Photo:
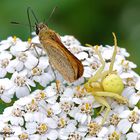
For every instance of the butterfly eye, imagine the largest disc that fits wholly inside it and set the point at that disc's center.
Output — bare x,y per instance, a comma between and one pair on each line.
37,30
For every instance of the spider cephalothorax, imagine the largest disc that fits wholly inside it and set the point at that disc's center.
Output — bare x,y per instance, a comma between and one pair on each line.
106,83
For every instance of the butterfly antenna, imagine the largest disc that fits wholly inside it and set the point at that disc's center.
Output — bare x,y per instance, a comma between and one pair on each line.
52,13
29,9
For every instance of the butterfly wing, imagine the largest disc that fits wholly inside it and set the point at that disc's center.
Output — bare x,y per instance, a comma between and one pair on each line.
80,69
62,59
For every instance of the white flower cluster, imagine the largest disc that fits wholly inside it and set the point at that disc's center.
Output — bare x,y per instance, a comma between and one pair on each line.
41,113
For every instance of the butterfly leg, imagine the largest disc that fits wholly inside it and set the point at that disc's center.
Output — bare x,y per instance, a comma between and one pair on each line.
56,81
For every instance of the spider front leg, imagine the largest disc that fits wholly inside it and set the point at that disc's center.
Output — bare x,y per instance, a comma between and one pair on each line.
98,73
114,54
103,102
100,98
116,96
100,70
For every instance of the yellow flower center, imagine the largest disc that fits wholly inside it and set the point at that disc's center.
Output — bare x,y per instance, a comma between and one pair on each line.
14,38
33,106
114,120
42,128
62,123
114,136
133,117
29,40
4,63
93,128
86,108
36,71
23,136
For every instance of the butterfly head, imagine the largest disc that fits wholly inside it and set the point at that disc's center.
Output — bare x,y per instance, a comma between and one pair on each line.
40,26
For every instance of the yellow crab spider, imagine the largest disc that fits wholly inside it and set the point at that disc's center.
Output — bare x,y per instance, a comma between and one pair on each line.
106,83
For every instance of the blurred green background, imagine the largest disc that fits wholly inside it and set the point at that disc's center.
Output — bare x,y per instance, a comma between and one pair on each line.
90,21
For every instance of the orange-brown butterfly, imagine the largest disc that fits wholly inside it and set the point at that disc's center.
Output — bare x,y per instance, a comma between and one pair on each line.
59,56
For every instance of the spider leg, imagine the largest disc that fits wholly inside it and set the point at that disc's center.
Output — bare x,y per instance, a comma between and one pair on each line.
103,101
102,108
98,74
114,54
99,71
116,96
104,74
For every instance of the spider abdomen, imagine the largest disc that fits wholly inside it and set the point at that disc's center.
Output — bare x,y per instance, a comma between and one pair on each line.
113,83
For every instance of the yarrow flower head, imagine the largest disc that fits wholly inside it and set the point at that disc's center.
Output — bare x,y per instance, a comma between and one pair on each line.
48,107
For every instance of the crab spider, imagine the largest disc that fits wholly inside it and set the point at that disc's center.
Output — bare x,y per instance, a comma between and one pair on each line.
106,83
